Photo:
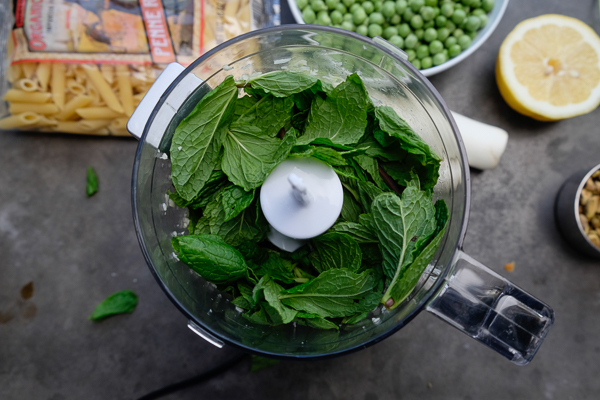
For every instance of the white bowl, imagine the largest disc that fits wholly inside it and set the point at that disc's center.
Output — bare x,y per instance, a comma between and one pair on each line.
493,19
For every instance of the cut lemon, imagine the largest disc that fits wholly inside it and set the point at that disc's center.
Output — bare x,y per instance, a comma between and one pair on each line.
549,68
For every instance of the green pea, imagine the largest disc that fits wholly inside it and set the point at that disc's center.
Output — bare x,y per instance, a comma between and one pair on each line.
376,18
417,63
354,7
318,5
362,30
408,14
411,54
341,8
374,30
487,5
348,3
464,2
368,6
419,33
323,18
430,35
435,47
411,41
348,17
422,51
336,17
416,5
428,24
451,41
426,62
378,5
458,16
445,53
401,6
484,20
464,41
427,13
458,7
431,3
466,9
389,32
442,34
308,15
475,3
358,16
396,41
472,35
388,9
348,25
458,33
472,24
331,4
477,12
454,50
450,26
439,59
404,30
447,10
301,3
396,19
416,21
440,21
436,11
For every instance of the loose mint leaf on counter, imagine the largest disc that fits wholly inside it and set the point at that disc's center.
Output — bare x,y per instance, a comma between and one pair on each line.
197,141
91,187
331,294
282,83
335,251
341,118
269,290
269,114
250,155
400,223
235,200
260,363
211,257
123,302
314,321
410,276
236,231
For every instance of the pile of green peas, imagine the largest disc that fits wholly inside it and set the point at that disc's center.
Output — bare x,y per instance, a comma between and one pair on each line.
429,31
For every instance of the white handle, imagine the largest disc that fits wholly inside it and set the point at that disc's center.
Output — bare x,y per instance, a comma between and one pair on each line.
484,143
299,189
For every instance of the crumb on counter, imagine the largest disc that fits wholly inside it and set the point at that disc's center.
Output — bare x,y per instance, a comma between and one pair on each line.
510,267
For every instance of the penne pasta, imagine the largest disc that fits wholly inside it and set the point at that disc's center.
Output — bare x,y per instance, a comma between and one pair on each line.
14,73
19,120
75,127
69,109
125,90
43,122
98,113
26,84
118,127
21,96
58,84
43,75
29,69
75,88
108,73
103,88
94,124
43,109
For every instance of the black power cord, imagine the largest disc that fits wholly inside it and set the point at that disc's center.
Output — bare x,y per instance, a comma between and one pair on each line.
195,380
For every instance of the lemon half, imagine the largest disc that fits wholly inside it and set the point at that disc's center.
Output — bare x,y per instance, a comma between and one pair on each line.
549,68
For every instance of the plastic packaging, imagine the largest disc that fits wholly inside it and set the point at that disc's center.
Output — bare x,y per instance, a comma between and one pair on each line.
82,66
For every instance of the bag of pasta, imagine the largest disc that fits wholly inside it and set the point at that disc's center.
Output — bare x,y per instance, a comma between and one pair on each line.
82,66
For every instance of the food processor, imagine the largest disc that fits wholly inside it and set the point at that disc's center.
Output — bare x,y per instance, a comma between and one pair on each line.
454,287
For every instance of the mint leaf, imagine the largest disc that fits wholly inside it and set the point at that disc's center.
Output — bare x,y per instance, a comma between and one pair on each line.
269,114
197,141
325,154
235,231
214,184
277,268
259,317
331,294
370,165
359,232
277,312
201,227
282,83
211,257
314,321
250,155
350,208
400,223
91,187
341,118
235,200
243,105
334,251
123,302
367,192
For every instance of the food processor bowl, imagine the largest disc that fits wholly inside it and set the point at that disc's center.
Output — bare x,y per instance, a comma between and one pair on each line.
454,287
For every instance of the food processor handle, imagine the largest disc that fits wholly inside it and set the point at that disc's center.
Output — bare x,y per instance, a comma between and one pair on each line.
491,310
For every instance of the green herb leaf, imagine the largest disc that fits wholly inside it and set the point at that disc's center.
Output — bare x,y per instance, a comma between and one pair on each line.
197,141
341,118
235,200
236,231
331,294
211,257
350,208
269,115
123,302
314,321
259,317
277,312
370,165
242,105
367,192
277,268
359,232
250,155
334,251
92,182
282,83
400,223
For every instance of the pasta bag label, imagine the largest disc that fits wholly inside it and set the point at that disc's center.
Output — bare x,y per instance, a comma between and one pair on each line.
157,31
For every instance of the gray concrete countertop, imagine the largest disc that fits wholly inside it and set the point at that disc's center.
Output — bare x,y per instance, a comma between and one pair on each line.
76,251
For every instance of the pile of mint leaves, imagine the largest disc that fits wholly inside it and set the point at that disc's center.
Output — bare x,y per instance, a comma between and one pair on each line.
389,228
